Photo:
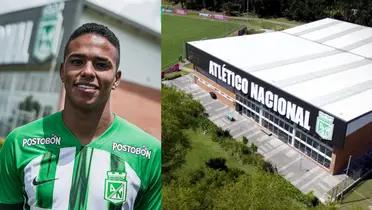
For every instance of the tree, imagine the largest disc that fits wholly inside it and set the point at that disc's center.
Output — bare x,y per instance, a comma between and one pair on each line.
179,111
30,105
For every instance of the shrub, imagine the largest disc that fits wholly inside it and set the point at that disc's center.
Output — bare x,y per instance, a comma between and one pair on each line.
226,134
267,166
245,140
254,147
217,164
246,150
172,76
196,176
311,200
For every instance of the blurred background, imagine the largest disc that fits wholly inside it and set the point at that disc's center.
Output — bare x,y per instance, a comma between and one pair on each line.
32,37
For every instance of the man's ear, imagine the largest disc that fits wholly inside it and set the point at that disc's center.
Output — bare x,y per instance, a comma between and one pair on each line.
61,73
117,79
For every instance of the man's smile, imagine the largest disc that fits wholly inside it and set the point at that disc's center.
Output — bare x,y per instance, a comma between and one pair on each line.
86,87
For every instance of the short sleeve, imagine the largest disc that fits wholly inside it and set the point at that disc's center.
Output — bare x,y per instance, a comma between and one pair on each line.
10,182
152,196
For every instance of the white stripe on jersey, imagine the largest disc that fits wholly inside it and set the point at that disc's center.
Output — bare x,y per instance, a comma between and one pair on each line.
100,165
64,172
98,170
134,183
31,171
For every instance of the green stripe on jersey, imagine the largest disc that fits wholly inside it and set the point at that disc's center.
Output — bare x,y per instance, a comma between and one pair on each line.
79,188
44,182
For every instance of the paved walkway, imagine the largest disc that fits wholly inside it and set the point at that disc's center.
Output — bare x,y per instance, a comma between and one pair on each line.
302,172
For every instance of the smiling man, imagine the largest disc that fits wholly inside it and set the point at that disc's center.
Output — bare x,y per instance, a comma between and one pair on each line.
84,157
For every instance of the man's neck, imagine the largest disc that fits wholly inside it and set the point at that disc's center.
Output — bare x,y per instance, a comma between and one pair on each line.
87,125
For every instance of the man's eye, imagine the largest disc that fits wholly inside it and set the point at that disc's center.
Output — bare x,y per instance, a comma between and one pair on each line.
76,62
102,65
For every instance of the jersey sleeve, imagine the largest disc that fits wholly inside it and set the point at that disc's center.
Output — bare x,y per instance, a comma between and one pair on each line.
10,182
152,196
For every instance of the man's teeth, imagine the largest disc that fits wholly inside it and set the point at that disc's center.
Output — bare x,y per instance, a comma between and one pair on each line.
86,87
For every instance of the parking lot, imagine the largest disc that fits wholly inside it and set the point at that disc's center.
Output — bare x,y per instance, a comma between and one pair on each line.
291,164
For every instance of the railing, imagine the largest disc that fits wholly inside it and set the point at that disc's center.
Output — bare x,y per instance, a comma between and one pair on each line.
359,169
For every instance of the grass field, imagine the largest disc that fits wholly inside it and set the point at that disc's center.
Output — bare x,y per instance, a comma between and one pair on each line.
203,149
176,30
360,197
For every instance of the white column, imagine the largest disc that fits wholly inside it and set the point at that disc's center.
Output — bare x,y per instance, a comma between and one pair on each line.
261,112
293,135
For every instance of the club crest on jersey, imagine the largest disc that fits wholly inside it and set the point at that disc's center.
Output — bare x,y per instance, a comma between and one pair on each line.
116,187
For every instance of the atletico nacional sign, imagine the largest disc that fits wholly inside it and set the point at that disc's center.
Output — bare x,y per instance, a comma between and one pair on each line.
304,115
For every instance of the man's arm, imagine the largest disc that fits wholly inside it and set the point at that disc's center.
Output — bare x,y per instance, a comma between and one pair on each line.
152,197
10,185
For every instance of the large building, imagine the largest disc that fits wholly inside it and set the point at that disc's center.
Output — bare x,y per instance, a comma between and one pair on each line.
310,85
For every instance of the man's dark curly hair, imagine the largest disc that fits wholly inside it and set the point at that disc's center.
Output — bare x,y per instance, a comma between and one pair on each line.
98,29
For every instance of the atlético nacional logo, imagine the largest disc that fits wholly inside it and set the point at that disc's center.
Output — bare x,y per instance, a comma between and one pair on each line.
116,187
48,35
324,125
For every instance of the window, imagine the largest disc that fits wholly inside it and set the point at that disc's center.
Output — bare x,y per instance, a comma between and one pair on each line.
297,144
322,149
289,140
327,163
328,153
320,159
314,155
298,134
316,145
309,141
302,147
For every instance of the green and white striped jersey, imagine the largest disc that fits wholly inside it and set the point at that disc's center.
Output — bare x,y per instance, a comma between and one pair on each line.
44,166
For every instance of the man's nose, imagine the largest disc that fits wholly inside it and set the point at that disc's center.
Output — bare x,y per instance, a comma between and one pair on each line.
88,70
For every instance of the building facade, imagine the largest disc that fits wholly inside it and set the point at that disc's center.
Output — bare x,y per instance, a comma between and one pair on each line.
298,84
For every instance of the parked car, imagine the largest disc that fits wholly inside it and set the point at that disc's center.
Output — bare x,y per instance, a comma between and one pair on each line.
213,95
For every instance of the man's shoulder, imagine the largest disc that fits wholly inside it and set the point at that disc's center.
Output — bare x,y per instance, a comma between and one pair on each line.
28,135
135,136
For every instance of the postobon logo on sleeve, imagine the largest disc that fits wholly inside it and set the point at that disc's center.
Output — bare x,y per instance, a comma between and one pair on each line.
324,125
116,187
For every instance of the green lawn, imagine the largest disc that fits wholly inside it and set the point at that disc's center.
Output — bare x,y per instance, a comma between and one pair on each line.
360,197
203,149
176,30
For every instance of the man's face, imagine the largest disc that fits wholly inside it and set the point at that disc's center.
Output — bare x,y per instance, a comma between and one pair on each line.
89,71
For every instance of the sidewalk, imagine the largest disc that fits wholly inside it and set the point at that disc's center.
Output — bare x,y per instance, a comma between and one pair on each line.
302,172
